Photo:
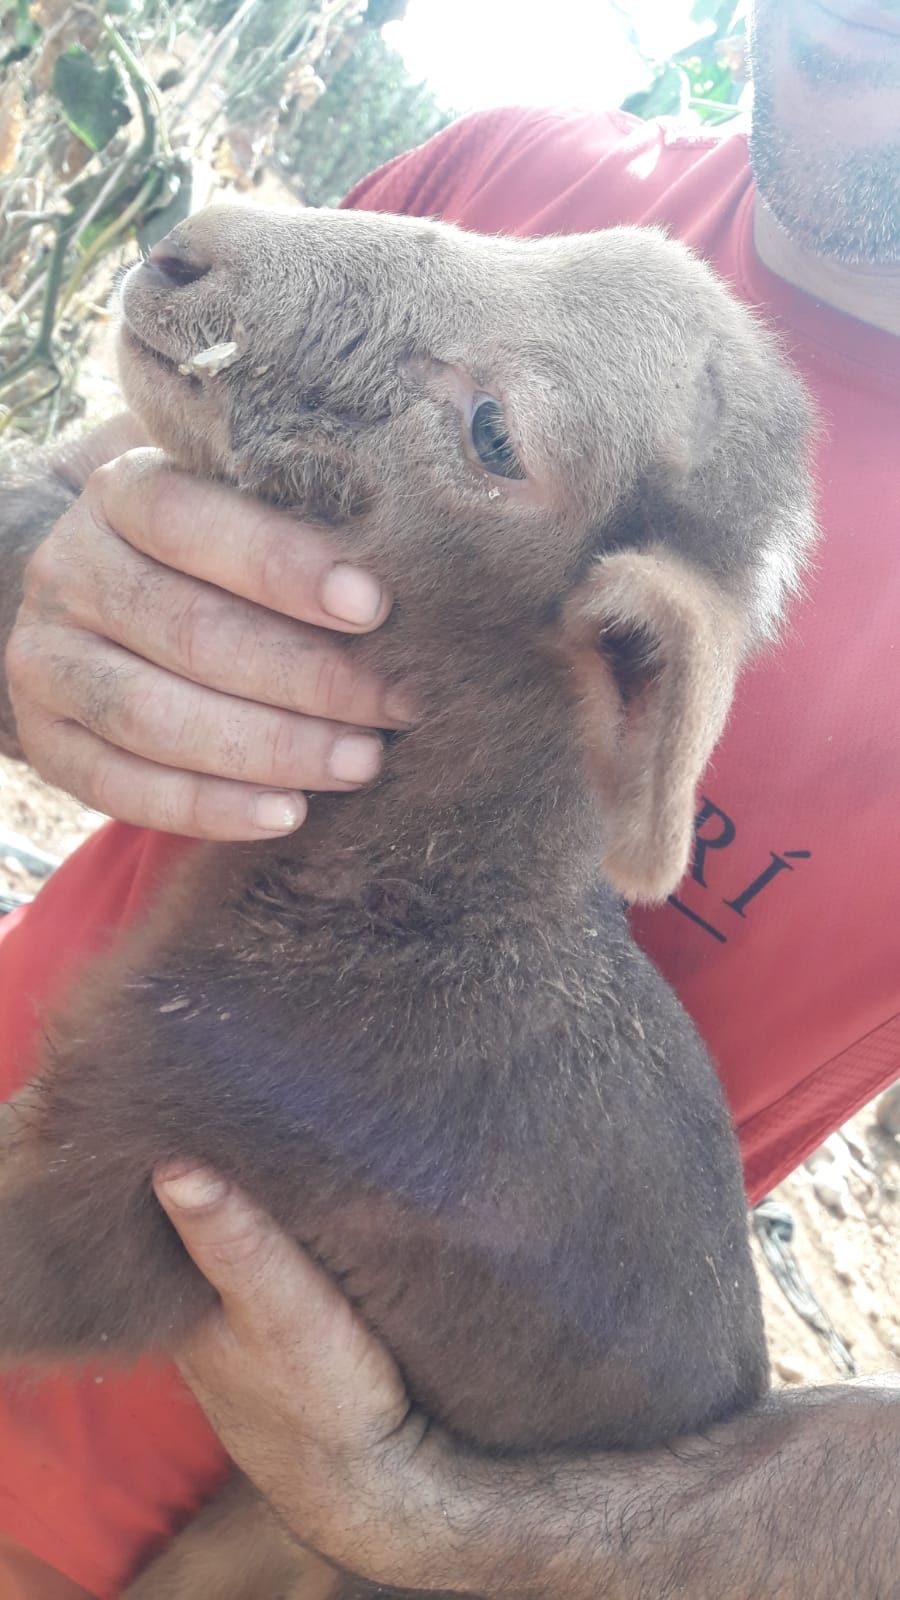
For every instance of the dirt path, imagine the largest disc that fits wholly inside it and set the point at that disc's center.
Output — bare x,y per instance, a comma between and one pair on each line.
846,1212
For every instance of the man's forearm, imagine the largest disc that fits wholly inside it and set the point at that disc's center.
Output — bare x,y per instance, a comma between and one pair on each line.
798,1498
36,487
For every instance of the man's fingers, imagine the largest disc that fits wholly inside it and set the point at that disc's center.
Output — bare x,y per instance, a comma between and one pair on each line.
171,722
216,534
125,786
228,644
168,623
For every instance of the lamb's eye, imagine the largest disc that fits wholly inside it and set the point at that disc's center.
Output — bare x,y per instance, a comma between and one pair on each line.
491,441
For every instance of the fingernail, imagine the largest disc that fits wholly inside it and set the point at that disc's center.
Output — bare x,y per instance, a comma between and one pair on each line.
350,594
278,813
355,759
194,1190
399,706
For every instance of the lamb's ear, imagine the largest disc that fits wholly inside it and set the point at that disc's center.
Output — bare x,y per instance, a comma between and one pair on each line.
654,647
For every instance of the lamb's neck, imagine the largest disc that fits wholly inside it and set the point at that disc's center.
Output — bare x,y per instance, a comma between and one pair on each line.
528,836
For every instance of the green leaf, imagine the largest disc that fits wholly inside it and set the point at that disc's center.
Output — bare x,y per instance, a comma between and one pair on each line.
92,96
25,35
170,208
667,95
84,191
378,12
81,195
27,30
720,12
86,236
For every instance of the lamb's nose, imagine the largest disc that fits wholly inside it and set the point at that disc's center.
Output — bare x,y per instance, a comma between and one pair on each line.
176,262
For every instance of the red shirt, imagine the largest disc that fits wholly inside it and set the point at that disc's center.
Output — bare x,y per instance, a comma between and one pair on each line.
783,941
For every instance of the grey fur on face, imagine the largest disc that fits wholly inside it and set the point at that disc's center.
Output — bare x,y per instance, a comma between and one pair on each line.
638,398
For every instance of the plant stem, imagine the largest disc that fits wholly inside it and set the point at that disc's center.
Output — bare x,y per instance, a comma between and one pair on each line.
24,300
42,349
154,128
9,415
107,235
227,38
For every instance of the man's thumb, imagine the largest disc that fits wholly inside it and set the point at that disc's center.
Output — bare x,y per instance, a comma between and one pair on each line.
277,1302
237,1247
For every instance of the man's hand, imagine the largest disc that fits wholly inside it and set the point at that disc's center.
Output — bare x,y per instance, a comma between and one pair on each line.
797,1498
308,1403
173,662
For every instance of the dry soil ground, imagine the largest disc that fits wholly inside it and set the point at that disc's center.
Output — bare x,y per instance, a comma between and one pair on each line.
845,1202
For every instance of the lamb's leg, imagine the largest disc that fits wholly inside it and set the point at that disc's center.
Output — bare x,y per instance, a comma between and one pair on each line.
89,1264
234,1550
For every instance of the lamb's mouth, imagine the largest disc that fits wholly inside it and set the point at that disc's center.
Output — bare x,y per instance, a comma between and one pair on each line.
143,348
206,362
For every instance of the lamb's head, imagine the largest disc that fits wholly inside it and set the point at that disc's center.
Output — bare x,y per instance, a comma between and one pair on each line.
577,455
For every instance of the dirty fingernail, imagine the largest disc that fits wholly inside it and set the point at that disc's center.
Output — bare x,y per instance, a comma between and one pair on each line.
192,1190
350,594
355,759
278,813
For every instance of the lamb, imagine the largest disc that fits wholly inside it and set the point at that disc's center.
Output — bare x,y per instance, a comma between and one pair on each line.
418,1031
